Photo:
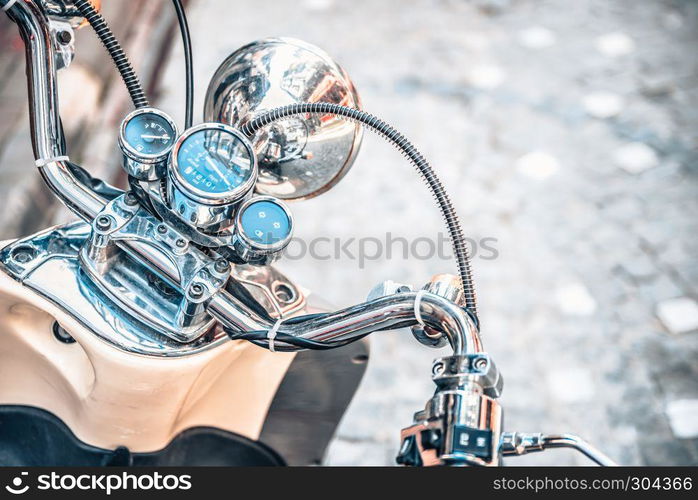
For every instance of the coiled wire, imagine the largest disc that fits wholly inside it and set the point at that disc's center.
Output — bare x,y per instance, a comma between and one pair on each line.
460,247
115,51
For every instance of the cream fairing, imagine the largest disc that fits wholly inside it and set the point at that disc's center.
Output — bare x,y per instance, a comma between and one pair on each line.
109,397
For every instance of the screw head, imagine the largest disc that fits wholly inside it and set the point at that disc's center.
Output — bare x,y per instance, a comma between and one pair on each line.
221,265
162,229
103,222
480,364
130,199
180,243
23,257
23,254
64,37
196,291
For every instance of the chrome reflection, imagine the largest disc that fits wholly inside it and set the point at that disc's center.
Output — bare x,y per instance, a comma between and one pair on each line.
298,158
51,257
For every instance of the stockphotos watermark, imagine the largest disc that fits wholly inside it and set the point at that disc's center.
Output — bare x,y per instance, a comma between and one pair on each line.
104,483
371,248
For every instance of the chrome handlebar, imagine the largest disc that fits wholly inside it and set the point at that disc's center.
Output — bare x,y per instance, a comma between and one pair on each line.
519,443
355,321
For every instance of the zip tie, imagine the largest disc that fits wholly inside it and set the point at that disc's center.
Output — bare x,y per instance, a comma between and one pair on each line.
8,5
42,162
271,334
417,311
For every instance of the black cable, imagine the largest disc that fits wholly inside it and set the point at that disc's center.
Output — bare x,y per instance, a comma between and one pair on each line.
460,245
83,176
259,338
62,143
115,51
188,63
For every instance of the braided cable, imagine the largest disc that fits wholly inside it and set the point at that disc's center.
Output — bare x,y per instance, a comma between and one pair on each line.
458,241
115,51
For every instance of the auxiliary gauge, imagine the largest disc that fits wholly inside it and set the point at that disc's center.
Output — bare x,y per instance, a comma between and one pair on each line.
263,228
212,169
146,138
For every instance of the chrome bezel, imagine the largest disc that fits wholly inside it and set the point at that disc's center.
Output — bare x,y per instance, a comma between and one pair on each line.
137,155
254,245
200,195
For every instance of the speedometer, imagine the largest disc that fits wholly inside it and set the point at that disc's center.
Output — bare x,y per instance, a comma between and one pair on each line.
212,167
214,162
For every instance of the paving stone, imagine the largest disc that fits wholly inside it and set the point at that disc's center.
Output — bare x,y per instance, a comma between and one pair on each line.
537,37
603,104
615,44
538,165
654,86
660,288
683,419
570,384
679,315
635,157
640,268
574,299
486,76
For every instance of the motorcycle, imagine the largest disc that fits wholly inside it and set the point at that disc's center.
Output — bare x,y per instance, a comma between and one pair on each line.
154,330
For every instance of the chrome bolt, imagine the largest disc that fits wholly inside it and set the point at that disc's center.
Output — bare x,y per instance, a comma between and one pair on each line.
64,37
23,254
23,257
196,291
103,222
130,199
180,243
221,265
162,229
480,364
437,369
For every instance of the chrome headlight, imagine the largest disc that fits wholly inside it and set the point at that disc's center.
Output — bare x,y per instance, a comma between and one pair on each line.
299,157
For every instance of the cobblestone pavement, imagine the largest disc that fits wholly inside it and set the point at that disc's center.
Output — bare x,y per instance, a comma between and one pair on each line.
564,130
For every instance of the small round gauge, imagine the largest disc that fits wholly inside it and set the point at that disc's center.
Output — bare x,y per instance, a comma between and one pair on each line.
213,164
264,222
147,135
263,227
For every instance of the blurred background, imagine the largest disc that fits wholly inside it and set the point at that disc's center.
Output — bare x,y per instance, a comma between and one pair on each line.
566,133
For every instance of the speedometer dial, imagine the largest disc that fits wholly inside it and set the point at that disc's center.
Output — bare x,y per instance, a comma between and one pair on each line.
212,169
214,163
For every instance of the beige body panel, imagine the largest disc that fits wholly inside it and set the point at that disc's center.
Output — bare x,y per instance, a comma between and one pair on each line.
109,397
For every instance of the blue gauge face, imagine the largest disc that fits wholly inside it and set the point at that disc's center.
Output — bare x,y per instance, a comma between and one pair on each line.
149,134
265,223
214,161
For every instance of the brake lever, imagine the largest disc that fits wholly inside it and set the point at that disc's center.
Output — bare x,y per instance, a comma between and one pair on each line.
520,443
